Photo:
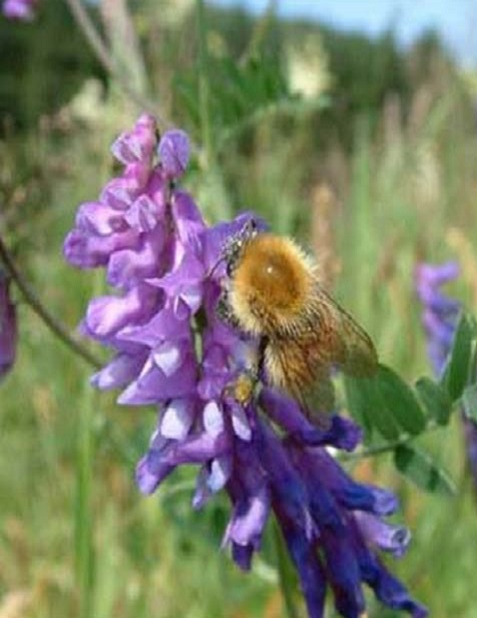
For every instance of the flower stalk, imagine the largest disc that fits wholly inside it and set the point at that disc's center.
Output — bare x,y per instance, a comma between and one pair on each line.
84,549
284,574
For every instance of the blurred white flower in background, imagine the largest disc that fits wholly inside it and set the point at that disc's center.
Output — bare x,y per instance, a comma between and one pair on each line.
308,67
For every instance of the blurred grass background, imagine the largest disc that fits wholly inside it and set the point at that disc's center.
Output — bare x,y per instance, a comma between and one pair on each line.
364,151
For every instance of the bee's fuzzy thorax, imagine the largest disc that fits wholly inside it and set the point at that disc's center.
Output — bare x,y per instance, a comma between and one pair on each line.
271,284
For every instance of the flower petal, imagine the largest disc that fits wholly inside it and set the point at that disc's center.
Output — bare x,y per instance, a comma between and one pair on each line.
393,539
220,470
177,419
137,144
213,419
120,371
173,151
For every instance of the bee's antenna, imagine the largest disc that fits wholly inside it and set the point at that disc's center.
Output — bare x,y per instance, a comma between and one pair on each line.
214,267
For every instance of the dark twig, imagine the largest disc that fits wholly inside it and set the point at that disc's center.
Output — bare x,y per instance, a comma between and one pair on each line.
30,296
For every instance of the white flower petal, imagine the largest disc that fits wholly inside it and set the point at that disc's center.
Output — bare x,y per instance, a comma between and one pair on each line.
177,419
240,424
213,419
220,470
192,298
168,357
202,491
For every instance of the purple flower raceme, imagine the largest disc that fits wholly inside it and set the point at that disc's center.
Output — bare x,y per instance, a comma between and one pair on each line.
8,327
23,10
440,319
172,351
440,313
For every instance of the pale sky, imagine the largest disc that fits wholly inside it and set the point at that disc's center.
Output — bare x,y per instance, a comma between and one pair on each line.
455,20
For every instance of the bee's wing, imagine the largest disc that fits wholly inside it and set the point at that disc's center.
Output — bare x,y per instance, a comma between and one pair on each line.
298,358
345,343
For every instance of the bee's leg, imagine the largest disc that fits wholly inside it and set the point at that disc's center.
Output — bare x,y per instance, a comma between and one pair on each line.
259,367
224,310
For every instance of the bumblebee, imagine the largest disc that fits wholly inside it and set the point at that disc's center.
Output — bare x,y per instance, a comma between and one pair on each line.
273,292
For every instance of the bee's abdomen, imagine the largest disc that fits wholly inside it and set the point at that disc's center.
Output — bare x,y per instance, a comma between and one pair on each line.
287,366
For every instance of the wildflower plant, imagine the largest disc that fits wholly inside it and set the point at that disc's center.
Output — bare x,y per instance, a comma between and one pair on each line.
171,350
440,319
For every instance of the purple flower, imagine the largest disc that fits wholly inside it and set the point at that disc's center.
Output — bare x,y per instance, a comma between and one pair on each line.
171,350
8,327
173,151
23,10
440,312
440,318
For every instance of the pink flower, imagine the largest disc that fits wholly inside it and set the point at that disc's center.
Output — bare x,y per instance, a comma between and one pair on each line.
23,10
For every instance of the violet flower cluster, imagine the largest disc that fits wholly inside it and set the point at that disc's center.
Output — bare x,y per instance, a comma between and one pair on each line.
171,351
440,312
440,317
8,327
23,10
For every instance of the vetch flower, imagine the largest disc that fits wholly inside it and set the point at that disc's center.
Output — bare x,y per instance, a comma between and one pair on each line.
440,312
440,318
8,327
23,10
171,350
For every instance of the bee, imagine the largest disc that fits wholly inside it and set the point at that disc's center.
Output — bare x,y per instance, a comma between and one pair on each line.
272,292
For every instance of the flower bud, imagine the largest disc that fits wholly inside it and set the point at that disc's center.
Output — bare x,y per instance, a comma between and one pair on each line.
174,152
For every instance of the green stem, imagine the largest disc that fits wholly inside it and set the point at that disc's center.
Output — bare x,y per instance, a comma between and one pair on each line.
204,88
284,574
84,507
381,449
32,299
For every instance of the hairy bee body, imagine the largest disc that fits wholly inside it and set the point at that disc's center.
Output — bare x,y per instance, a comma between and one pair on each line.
271,285
274,293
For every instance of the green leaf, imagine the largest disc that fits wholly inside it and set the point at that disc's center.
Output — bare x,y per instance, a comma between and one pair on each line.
356,402
369,408
435,399
473,362
457,370
424,472
469,402
400,401
472,323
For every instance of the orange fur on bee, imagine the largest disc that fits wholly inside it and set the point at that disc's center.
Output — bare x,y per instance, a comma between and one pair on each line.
272,283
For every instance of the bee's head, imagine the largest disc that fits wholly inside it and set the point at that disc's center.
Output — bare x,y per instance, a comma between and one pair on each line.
234,246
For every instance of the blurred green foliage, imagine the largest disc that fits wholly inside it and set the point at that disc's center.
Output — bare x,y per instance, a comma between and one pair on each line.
374,169
43,65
